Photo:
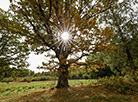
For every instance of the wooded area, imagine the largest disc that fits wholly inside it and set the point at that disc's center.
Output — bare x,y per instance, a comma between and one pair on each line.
105,32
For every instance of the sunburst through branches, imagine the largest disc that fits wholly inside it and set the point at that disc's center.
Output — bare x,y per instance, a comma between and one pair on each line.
64,36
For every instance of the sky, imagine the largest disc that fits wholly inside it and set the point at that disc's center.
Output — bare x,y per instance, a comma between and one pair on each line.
34,60
4,4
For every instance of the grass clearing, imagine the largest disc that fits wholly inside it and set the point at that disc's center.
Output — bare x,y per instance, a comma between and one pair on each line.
21,88
79,91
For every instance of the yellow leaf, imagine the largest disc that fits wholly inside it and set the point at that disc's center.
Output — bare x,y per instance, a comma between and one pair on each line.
98,5
83,67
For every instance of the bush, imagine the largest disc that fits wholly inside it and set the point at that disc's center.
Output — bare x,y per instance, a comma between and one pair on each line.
102,72
86,76
8,80
118,84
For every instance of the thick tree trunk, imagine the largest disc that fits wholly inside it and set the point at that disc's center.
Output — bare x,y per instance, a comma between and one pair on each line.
132,65
130,59
63,77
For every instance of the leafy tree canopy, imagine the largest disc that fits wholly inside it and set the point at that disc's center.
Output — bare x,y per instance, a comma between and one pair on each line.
124,21
13,51
46,20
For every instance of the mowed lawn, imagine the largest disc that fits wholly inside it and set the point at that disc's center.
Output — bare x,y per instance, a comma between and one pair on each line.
79,91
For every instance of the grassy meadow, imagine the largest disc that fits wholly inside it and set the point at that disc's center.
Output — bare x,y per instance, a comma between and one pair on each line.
100,90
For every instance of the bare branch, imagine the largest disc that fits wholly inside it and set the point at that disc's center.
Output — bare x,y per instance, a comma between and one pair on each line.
99,12
50,8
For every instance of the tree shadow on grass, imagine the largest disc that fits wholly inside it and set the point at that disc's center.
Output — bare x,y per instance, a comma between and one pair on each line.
85,94
76,94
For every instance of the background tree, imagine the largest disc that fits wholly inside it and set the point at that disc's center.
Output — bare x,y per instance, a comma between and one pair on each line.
124,21
95,71
48,20
13,51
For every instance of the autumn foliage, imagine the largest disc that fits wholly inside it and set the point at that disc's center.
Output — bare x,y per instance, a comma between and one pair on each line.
42,22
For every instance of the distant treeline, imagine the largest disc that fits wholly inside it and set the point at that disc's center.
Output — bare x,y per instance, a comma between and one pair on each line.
41,76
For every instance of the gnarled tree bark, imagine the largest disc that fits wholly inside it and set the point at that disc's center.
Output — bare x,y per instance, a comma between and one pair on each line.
63,77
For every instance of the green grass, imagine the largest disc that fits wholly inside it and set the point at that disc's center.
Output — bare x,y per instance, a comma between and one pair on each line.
30,78
79,91
18,88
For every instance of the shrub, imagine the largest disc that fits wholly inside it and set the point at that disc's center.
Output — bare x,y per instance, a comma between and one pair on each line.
86,76
118,84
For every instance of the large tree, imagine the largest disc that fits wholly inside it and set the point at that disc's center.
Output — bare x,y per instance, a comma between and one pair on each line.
13,50
124,21
67,27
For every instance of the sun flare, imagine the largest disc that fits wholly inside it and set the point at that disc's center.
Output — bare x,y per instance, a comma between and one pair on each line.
65,36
